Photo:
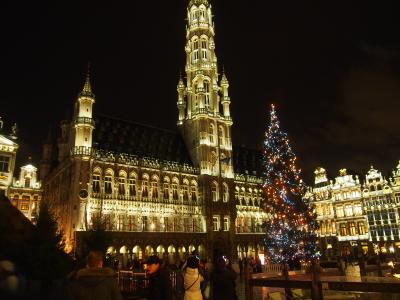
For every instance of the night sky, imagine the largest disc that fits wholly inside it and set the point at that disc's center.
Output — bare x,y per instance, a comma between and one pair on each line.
331,67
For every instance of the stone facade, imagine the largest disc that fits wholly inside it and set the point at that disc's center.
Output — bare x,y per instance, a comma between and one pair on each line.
25,193
357,217
157,191
8,153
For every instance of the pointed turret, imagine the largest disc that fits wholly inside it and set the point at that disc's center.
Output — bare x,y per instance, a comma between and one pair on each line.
226,100
181,99
198,3
87,88
83,120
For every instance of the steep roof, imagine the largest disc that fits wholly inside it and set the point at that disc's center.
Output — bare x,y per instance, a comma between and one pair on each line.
142,140
247,161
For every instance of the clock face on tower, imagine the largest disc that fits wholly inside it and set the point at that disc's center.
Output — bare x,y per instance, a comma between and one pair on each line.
83,194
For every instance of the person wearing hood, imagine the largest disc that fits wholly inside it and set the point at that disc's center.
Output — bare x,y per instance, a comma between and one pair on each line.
192,279
94,281
160,286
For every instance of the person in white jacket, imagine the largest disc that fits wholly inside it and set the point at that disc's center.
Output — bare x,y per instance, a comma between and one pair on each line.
192,279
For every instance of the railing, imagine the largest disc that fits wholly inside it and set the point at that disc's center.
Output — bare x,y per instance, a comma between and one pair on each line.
84,120
136,284
318,283
81,150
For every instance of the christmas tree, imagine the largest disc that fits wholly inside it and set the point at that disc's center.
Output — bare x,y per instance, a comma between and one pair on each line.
290,232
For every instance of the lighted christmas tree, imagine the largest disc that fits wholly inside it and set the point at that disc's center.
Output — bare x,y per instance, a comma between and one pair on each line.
290,233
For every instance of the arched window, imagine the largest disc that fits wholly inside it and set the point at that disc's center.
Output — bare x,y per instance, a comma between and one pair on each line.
193,191
185,191
206,93
145,186
211,133
121,183
96,181
221,135
204,49
214,192
225,195
154,188
108,182
166,189
132,185
175,195
195,49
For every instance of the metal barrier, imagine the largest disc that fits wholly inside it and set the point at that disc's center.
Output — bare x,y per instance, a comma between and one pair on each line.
136,284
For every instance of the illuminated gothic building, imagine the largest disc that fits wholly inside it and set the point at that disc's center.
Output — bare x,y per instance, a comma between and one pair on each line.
382,208
159,191
25,193
8,153
358,216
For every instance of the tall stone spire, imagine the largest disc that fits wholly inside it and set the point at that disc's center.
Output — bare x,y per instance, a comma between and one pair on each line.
87,88
198,2
203,100
83,120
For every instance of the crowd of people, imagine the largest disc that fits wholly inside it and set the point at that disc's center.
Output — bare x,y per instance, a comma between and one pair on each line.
195,280
199,280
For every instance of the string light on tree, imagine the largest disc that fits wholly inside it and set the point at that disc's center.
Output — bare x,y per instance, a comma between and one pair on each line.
290,233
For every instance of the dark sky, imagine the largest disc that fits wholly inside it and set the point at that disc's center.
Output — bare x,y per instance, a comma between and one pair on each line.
331,67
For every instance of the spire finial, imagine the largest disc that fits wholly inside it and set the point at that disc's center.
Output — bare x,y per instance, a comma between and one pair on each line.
198,2
87,88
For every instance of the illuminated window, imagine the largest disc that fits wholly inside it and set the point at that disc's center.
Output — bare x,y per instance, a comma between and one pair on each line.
343,229
353,228
186,225
221,135
226,223
358,209
195,51
207,93
4,163
211,133
194,193
225,195
107,222
214,192
121,185
185,192
333,227
349,210
121,219
204,50
154,189
215,223
145,188
323,228
24,206
96,183
174,191
361,228
166,191
132,186
319,210
339,211
108,184
131,223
